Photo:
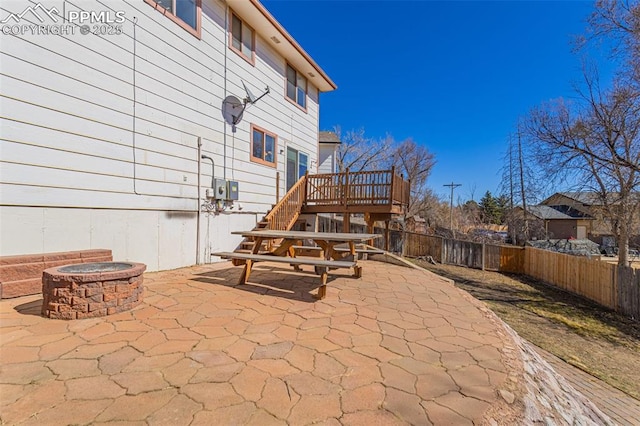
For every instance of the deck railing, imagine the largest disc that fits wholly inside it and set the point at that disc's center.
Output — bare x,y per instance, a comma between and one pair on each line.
358,188
284,214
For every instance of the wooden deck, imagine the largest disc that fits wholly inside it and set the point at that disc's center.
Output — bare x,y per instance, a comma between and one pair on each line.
377,194
381,192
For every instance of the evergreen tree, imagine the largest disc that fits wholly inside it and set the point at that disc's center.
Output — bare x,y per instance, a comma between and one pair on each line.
490,208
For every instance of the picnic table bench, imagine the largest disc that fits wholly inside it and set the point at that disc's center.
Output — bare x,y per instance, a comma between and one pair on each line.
286,253
321,266
339,251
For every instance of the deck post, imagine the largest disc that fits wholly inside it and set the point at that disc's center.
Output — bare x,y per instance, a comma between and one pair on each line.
305,190
346,223
345,195
368,217
386,235
393,178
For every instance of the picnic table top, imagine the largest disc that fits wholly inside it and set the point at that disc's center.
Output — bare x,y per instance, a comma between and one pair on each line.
303,235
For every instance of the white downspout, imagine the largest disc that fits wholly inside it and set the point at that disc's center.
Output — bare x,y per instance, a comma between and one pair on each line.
199,217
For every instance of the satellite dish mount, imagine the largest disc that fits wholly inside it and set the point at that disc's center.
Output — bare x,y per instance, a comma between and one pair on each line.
233,108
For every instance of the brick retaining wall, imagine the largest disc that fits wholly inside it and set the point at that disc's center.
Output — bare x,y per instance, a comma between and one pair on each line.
22,275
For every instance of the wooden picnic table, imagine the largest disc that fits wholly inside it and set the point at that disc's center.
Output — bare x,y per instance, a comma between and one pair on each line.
285,251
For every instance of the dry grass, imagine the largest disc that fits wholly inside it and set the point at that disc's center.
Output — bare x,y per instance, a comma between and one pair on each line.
592,338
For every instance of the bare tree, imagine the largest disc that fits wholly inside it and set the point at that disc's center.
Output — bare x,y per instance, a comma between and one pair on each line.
597,141
617,22
521,184
414,162
433,209
358,152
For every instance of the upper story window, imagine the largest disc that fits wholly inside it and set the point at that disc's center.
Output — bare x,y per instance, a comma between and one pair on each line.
242,38
296,87
263,146
185,13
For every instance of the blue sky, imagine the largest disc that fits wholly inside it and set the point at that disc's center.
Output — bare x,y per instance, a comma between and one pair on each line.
454,76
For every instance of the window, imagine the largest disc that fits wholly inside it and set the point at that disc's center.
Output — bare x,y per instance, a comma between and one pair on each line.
263,146
185,13
296,87
242,38
297,165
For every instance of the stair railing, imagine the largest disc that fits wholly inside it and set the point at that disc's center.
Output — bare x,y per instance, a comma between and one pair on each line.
284,214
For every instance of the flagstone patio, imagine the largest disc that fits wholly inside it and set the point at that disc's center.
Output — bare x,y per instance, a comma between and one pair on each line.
397,346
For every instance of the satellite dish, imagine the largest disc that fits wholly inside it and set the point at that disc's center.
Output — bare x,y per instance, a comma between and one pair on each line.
232,109
251,98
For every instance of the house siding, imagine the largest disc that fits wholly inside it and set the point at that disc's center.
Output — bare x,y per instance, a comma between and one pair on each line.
71,178
327,158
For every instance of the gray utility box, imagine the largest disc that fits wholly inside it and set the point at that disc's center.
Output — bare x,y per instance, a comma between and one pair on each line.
220,189
232,190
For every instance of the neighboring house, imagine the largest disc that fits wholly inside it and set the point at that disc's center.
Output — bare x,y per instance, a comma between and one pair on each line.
576,215
557,222
329,143
588,203
591,204
103,134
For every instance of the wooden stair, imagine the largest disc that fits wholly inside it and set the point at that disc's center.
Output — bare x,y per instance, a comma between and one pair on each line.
282,216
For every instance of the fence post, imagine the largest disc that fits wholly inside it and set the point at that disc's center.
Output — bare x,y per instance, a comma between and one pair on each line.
482,255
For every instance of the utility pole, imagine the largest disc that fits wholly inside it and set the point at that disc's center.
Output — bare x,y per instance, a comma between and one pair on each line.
452,186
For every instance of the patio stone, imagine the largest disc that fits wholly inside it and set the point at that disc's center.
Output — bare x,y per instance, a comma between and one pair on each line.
32,403
98,387
69,413
212,395
278,398
365,398
74,368
179,411
138,407
114,362
249,383
315,408
25,373
136,383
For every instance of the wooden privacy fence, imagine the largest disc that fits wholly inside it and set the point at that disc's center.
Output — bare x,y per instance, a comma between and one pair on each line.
611,286
491,257
593,279
628,291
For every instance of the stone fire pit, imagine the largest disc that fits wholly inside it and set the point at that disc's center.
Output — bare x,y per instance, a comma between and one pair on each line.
89,290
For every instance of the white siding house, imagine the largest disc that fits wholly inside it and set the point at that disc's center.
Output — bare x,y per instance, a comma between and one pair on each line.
328,143
102,134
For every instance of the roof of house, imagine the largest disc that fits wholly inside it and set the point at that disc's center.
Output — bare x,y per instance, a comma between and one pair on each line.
556,212
259,18
587,198
328,137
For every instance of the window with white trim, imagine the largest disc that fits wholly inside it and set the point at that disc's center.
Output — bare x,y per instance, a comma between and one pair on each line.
242,38
263,146
296,87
